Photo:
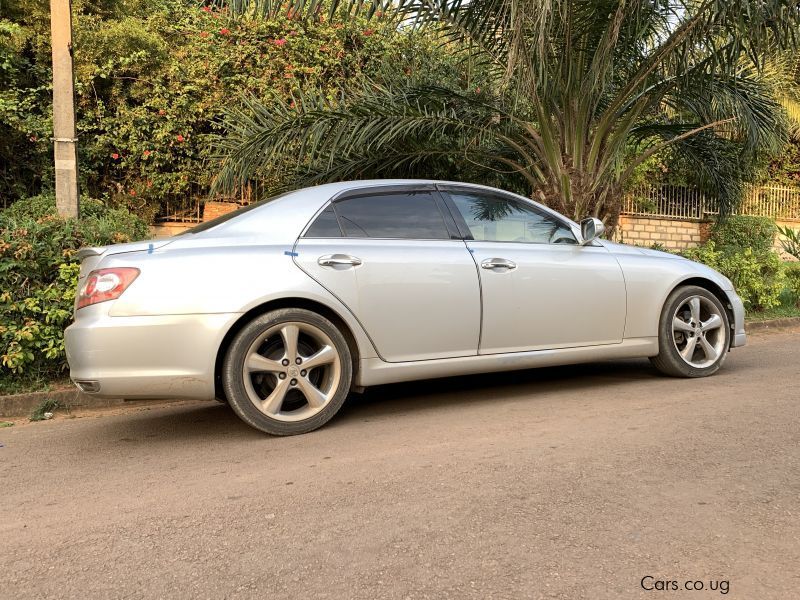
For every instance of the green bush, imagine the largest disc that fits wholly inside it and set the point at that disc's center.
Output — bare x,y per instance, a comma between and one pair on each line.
793,280
152,80
757,275
38,277
741,231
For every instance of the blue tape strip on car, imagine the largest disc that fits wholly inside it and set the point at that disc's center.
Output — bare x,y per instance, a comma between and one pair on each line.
150,249
290,253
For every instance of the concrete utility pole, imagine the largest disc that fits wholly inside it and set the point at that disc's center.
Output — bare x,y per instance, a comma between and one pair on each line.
64,134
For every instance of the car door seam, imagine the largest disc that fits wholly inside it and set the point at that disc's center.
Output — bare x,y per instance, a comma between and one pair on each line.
625,285
342,302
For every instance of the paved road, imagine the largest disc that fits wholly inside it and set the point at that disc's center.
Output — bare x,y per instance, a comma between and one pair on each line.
559,483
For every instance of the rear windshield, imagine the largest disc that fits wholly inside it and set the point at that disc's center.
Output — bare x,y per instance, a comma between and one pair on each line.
206,225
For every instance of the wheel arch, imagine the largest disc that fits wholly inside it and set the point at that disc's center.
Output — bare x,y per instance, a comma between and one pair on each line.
294,302
712,287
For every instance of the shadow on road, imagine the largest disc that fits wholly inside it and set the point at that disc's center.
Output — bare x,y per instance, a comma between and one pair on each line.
216,421
490,387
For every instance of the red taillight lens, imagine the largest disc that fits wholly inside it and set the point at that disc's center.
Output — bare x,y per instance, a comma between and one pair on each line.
105,284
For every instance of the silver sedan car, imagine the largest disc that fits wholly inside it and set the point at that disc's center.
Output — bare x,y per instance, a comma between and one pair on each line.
282,308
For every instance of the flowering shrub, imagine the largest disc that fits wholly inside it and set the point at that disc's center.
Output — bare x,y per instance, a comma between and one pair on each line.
152,80
38,278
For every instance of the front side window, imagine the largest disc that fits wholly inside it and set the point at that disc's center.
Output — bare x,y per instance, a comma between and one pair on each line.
399,215
494,218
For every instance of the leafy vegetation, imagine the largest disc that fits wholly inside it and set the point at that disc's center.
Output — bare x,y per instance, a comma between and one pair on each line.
758,277
38,279
41,412
580,95
153,78
741,248
790,241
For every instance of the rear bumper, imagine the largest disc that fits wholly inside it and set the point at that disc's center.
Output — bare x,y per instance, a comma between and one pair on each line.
739,337
166,356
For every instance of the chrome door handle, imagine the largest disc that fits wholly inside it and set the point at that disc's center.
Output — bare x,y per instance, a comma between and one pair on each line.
498,263
332,260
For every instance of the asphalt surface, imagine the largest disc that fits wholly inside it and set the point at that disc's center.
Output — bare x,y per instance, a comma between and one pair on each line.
558,483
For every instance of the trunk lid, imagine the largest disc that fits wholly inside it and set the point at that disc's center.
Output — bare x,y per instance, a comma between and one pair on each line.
91,256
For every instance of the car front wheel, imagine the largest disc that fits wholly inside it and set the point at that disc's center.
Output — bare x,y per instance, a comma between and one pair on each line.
693,335
287,372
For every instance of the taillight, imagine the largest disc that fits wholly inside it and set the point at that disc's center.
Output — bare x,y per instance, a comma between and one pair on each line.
105,284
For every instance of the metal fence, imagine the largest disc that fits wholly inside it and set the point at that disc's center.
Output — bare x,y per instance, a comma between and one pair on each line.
685,203
189,209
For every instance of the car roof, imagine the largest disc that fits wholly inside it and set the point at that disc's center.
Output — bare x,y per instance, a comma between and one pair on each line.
282,219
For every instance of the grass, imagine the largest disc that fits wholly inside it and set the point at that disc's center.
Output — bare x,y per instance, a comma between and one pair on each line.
47,406
6,424
24,384
779,312
788,308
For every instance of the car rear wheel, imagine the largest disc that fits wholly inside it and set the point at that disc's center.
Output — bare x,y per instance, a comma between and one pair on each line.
287,372
693,335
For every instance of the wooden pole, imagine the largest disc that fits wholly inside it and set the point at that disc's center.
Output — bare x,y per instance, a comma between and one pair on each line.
65,149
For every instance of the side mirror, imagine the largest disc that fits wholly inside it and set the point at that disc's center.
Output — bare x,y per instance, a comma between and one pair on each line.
591,229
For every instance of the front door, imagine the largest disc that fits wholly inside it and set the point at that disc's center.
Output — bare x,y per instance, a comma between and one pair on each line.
389,255
540,288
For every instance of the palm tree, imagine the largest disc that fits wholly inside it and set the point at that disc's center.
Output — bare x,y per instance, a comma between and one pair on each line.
583,92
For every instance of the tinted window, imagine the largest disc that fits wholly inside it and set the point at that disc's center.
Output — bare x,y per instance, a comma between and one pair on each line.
497,219
326,225
407,215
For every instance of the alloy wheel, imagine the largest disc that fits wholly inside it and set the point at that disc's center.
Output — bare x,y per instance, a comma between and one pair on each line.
698,332
292,371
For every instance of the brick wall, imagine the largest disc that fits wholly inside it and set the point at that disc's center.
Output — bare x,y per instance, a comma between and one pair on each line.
676,234
213,210
670,233
168,229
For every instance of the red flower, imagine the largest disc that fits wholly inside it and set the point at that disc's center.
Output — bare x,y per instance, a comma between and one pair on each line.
114,155
147,153
149,183
180,138
367,32
292,104
477,90
206,9
279,42
33,138
132,192
225,31
162,112
203,34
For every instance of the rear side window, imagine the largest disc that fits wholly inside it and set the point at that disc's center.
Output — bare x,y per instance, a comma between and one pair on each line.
413,215
326,225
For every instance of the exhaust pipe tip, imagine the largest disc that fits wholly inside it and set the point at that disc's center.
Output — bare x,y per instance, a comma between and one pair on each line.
90,386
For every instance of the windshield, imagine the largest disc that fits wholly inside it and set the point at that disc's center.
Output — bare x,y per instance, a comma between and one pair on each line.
206,225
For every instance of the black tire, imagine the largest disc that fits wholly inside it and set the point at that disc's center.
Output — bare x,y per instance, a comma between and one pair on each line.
236,388
669,359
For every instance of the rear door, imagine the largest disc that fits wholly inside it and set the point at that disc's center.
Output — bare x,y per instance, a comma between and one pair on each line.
541,289
394,257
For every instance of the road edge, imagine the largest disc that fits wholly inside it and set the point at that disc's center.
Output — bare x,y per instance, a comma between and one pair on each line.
22,405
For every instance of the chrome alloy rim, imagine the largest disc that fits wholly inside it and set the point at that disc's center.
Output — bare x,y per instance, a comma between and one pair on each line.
292,371
698,332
